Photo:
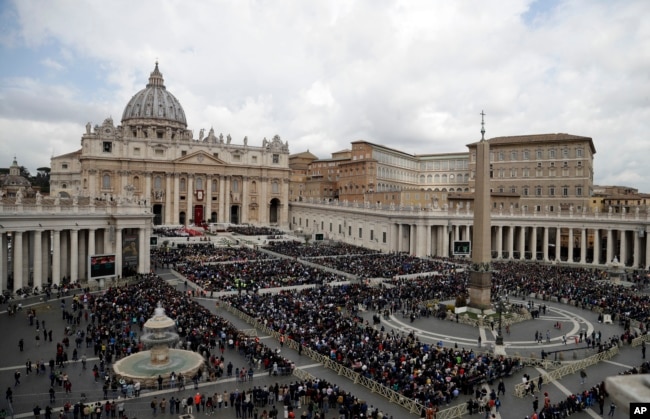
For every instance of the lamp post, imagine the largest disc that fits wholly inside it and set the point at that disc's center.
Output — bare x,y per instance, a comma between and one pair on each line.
499,339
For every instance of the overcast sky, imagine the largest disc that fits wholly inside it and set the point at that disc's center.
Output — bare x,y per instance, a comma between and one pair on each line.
412,75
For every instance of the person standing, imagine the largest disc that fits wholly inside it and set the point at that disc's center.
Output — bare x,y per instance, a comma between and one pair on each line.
612,408
583,376
643,349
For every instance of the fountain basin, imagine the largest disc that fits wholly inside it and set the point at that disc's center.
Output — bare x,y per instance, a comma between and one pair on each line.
138,366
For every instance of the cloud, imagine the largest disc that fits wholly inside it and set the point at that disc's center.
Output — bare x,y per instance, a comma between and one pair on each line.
412,75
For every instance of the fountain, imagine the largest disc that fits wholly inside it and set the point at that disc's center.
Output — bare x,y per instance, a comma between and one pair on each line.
159,358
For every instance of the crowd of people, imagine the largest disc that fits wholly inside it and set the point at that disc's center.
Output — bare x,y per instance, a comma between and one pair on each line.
326,321
202,252
255,231
253,275
298,249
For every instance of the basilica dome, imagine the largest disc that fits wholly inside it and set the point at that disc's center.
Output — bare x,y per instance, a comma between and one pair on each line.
155,103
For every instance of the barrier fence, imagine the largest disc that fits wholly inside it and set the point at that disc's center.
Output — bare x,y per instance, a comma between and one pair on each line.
569,368
391,395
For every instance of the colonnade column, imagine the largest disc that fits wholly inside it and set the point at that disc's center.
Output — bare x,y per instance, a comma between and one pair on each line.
4,258
91,242
533,244
499,242
570,246
637,249
445,242
610,246
17,248
38,261
399,237
522,243
646,264
427,235
56,257
596,260
511,242
74,255
623,255
545,243
583,246
141,253
558,243
118,251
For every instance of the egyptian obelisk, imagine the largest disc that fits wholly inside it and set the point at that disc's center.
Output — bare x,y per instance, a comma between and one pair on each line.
480,279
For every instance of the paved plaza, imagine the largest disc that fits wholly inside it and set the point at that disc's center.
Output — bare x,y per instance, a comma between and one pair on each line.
33,389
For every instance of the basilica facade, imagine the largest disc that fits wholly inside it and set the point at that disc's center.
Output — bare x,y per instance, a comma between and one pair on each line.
186,180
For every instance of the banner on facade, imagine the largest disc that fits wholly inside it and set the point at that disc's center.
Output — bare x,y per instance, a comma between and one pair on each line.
130,250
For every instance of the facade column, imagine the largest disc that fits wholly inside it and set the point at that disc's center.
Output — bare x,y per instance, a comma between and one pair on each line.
499,242
168,199
56,257
177,199
38,261
522,243
596,260
208,198
413,234
141,253
190,201
511,242
284,219
570,246
264,201
221,216
118,252
545,243
583,246
636,257
17,248
558,243
623,255
74,255
92,183
610,246
226,203
147,190
243,208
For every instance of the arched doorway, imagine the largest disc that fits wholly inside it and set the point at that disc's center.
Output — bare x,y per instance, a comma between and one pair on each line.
234,214
157,214
213,217
274,211
181,218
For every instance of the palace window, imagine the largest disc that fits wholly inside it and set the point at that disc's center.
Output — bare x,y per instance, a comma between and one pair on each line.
107,147
276,159
106,181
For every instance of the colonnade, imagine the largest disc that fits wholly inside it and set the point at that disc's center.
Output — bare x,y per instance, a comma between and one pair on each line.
38,256
585,240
